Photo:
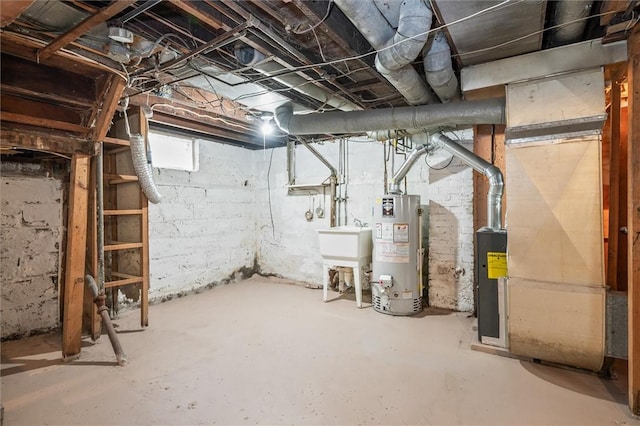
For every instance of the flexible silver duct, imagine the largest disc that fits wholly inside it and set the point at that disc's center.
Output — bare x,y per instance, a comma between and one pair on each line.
496,183
567,11
143,168
439,69
397,49
488,111
248,56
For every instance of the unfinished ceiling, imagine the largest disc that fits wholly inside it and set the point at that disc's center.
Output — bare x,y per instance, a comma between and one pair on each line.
221,67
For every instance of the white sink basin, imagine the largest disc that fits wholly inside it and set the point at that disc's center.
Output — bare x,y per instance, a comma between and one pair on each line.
345,243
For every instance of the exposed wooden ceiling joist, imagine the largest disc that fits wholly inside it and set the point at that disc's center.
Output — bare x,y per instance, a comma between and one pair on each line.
11,9
103,15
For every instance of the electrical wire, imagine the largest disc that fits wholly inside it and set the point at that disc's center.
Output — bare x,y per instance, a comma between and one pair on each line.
426,160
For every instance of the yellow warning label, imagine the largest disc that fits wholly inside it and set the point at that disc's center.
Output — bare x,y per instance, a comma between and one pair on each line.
496,265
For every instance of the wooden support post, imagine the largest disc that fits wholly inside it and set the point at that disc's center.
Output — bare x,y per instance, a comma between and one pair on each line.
633,182
75,256
614,187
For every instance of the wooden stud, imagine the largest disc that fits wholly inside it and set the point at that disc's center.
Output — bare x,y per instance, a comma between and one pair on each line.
75,256
93,320
104,14
144,237
11,9
614,188
633,185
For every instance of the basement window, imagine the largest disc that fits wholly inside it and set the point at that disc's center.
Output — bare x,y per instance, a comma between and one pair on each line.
174,152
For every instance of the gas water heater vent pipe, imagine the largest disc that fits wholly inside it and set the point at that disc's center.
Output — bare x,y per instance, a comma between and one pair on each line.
496,182
414,155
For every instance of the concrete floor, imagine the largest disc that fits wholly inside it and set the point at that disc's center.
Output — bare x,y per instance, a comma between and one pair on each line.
266,352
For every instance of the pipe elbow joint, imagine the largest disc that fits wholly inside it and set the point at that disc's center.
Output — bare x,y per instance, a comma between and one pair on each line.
282,116
495,178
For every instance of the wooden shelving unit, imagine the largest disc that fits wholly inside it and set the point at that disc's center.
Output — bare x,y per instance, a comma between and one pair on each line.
126,224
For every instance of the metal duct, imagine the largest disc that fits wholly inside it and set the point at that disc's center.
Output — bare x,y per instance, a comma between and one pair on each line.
496,182
439,69
397,49
567,11
143,168
488,111
414,155
248,56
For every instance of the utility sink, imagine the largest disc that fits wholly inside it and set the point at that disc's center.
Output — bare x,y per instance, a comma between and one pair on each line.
345,243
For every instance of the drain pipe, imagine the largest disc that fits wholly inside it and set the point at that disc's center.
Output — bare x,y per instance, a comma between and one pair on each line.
496,183
439,69
397,49
416,117
333,180
99,299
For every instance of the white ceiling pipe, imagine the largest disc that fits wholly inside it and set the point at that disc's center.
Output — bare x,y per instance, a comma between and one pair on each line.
568,11
394,60
439,69
487,111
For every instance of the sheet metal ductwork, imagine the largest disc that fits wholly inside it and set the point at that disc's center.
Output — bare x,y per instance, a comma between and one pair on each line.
496,182
397,48
439,69
248,56
488,111
567,11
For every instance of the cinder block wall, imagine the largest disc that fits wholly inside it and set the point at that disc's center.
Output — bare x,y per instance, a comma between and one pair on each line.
203,231
31,233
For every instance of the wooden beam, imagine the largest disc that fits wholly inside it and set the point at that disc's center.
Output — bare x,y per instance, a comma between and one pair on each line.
108,107
191,9
75,256
104,14
43,141
11,9
43,122
614,188
633,182
610,8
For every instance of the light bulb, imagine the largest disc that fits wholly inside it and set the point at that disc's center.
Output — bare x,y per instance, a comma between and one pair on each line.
267,128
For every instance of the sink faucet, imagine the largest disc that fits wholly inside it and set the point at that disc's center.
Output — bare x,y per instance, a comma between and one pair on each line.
357,222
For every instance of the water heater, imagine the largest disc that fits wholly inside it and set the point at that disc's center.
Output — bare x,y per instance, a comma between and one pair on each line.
396,285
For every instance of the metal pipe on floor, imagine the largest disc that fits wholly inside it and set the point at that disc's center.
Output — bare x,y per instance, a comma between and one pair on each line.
99,299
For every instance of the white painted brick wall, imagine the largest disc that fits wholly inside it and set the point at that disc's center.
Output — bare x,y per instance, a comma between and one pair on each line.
451,233
31,233
204,228
209,224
